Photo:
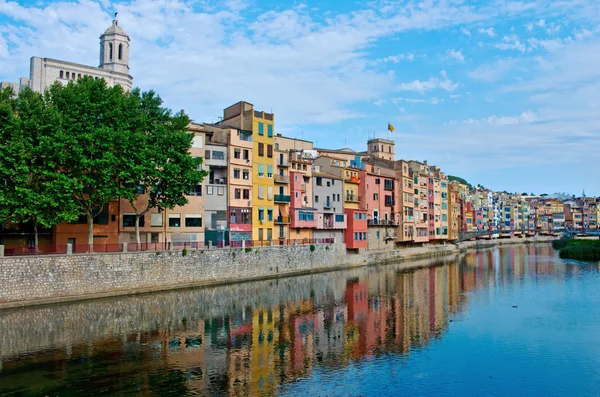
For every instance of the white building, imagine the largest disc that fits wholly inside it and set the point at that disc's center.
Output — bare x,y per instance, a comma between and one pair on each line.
114,65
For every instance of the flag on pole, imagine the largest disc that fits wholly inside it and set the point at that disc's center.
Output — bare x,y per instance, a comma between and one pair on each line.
390,128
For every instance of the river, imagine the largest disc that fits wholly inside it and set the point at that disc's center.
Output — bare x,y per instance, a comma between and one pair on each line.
507,321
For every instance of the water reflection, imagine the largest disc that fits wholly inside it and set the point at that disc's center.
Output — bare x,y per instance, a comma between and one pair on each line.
254,338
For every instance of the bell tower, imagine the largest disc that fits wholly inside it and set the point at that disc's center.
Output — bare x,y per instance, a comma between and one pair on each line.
114,49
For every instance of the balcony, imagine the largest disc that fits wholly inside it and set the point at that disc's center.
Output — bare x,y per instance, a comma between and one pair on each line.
353,179
351,198
283,220
381,222
390,203
281,198
327,205
283,162
281,178
331,221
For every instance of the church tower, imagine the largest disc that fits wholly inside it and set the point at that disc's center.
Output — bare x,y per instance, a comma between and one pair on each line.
114,49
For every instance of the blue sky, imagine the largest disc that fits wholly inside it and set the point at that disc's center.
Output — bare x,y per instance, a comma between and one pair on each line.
503,93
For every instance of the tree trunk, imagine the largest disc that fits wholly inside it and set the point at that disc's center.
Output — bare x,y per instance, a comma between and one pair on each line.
35,233
137,228
90,222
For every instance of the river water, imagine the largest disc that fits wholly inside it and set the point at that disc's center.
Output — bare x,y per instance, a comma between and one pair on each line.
508,321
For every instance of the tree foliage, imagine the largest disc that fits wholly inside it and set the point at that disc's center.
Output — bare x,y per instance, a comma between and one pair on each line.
459,180
33,191
163,170
72,150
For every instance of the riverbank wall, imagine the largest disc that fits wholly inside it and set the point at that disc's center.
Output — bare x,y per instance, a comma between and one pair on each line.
34,280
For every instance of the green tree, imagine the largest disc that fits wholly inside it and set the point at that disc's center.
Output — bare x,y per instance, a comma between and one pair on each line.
459,180
33,190
93,137
163,170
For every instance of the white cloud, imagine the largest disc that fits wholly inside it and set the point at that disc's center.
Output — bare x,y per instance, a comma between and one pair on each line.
456,54
494,71
432,84
397,58
524,118
511,42
553,29
489,31
541,23
465,31
529,27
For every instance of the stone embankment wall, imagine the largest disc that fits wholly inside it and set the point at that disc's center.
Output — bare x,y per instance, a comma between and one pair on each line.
58,278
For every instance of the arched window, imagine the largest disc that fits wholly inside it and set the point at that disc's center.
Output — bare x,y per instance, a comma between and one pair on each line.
120,52
110,51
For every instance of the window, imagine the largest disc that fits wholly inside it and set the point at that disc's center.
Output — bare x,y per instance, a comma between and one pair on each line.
78,75
246,154
377,181
270,193
319,181
218,155
210,190
237,153
339,218
261,170
221,190
261,192
120,52
269,130
196,191
375,196
110,54
306,216
338,196
261,130
174,220
316,199
270,214
207,154
261,149
261,214
193,220
67,74
61,74
270,170
237,194
260,233
328,184
129,220
377,234
270,151
246,174
269,234
236,173
156,219
246,194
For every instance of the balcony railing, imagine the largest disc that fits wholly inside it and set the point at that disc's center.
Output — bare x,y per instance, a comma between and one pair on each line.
382,222
353,179
327,204
390,203
283,220
352,198
281,198
281,178
283,162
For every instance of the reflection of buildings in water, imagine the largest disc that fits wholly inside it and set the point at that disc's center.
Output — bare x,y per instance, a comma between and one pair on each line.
256,351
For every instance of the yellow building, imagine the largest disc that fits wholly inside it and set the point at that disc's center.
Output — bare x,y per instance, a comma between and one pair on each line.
243,116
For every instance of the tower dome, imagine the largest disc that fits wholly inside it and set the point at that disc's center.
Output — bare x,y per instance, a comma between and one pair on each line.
114,48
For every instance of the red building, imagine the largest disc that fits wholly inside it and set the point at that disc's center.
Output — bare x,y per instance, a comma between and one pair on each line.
356,234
